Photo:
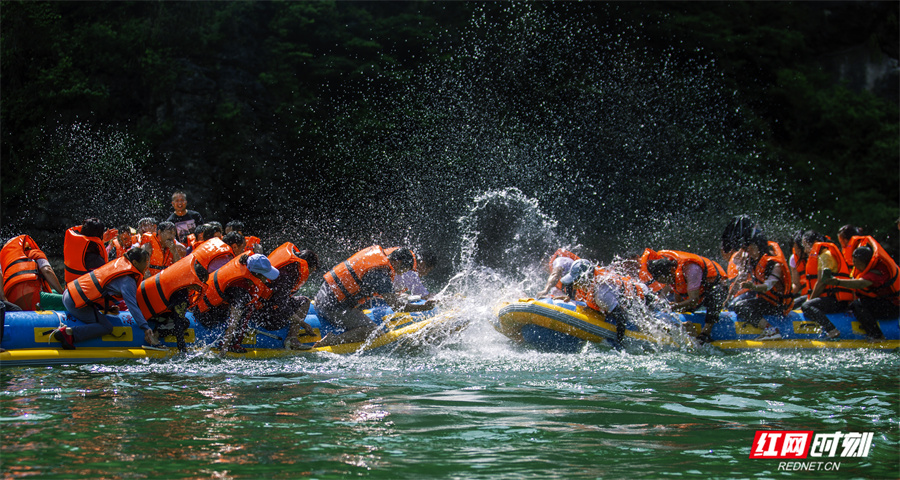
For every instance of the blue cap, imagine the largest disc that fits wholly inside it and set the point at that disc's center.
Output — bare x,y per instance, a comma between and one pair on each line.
260,264
579,268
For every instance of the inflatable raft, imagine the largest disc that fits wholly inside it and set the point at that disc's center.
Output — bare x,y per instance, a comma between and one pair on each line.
28,340
554,325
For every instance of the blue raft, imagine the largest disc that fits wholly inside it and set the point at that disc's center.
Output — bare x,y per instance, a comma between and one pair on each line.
554,325
28,340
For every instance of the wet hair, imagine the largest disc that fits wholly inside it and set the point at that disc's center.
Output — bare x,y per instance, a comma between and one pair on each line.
812,236
165,226
216,226
849,231
310,257
864,253
205,232
146,221
93,227
403,256
137,254
758,238
233,238
661,267
426,258
179,192
737,233
797,243
235,226
124,228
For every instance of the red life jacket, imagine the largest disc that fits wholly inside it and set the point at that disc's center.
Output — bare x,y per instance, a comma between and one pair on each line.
285,255
842,271
346,277
233,272
210,250
155,293
18,265
88,288
160,257
624,285
802,263
562,252
75,251
648,256
119,249
252,243
779,295
882,262
713,273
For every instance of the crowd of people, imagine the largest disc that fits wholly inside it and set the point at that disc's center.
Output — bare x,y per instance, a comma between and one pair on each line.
160,271
819,277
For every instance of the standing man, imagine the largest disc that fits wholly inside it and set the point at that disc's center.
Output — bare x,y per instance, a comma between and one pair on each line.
185,220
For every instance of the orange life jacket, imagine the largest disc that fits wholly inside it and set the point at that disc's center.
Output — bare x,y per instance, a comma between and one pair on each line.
155,293
252,243
160,257
801,270
229,274
882,262
285,255
346,277
779,295
842,271
120,250
713,272
210,250
20,266
624,285
562,252
75,250
88,288
648,256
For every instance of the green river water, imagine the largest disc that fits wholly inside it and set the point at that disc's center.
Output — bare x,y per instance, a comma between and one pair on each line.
476,407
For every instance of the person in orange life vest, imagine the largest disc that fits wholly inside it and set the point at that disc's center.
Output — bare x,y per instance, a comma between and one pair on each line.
165,297
823,298
253,243
876,281
90,295
229,293
351,283
279,306
764,284
185,220
696,282
212,254
606,292
26,272
83,249
122,243
163,248
558,266
845,234
797,265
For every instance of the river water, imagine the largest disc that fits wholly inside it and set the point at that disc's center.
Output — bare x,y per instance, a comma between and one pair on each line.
474,407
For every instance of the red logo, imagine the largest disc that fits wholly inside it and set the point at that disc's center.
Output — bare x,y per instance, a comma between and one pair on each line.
781,444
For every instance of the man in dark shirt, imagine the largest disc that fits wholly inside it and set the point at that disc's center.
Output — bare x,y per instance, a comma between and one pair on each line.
185,220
